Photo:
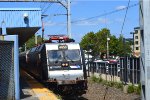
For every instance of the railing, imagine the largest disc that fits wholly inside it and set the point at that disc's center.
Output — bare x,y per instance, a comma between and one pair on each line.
127,70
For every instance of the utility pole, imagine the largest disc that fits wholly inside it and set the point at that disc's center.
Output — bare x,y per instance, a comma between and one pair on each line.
107,41
42,31
108,46
68,19
35,39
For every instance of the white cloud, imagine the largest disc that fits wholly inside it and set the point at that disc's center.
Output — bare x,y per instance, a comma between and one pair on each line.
93,22
120,7
50,23
86,23
103,20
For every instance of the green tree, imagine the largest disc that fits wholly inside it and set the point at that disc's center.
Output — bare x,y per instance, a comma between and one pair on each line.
31,43
124,48
88,42
113,45
98,43
101,40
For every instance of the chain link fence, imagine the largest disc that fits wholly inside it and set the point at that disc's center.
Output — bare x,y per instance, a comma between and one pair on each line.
126,70
7,85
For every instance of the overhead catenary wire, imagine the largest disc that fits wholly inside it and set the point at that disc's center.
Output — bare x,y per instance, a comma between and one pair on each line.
104,14
42,5
52,15
125,16
59,1
61,30
47,8
60,23
101,15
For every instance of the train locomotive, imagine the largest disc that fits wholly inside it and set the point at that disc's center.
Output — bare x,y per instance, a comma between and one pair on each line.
61,66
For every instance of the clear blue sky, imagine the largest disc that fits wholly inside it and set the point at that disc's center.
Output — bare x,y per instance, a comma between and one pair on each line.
82,9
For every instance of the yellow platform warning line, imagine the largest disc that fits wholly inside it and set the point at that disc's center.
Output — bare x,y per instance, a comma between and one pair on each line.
40,91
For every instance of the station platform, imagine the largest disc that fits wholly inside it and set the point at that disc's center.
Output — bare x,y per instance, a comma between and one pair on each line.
33,90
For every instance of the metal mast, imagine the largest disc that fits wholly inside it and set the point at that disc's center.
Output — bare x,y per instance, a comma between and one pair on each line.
107,41
145,48
67,6
42,31
68,19
108,46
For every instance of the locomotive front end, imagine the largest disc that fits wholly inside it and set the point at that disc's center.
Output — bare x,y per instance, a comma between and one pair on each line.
66,70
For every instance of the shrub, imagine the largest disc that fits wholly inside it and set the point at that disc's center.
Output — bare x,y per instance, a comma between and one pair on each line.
118,85
130,89
137,89
99,80
93,78
111,84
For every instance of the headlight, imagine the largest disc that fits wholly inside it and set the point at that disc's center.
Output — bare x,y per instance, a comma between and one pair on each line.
65,64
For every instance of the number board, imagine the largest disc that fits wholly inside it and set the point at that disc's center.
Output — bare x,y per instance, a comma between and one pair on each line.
62,47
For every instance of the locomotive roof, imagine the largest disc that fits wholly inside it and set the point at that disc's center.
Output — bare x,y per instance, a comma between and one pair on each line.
39,48
61,43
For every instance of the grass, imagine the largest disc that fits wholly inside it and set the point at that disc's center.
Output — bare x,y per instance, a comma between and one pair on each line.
118,85
107,83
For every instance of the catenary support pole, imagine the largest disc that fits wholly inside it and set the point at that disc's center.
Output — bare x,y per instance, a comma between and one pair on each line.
145,48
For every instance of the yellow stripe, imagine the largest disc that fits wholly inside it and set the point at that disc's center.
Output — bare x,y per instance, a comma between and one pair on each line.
40,91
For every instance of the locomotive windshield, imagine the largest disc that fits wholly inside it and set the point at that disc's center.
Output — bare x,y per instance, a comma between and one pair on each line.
55,55
72,55
60,55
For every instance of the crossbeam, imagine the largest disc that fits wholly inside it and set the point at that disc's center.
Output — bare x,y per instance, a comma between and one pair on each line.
29,0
